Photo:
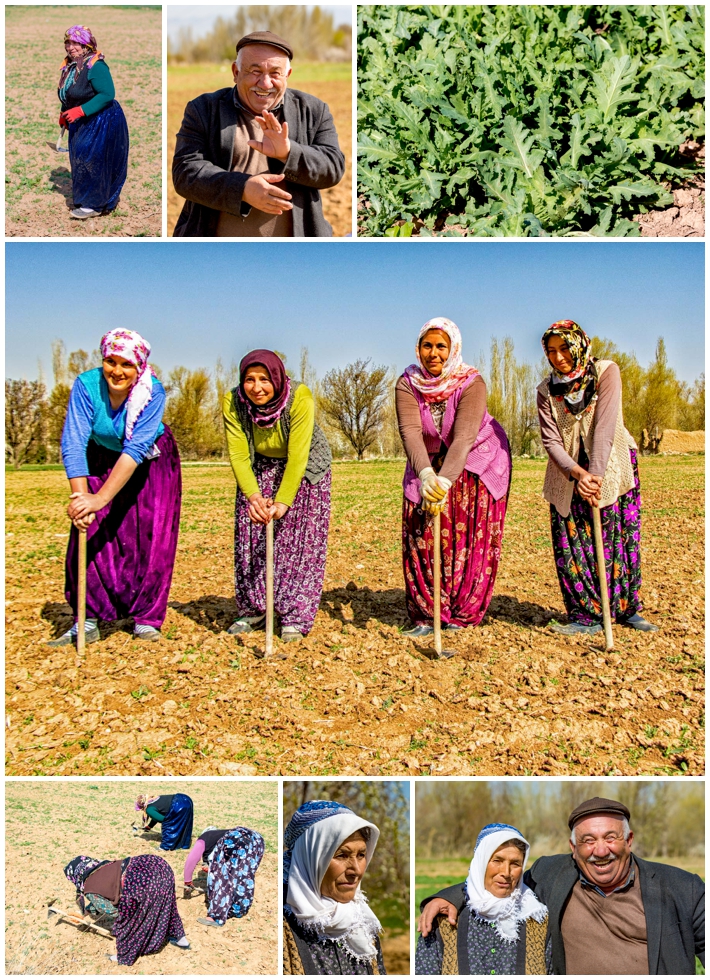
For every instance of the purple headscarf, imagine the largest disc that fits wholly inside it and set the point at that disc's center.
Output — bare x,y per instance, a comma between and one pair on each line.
80,35
269,414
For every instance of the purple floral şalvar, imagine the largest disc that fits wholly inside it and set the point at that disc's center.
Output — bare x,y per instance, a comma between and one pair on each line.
233,867
147,910
575,558
300,544
471,536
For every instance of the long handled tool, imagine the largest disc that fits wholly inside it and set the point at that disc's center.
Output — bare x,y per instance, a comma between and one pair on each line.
58,145
77,920
81,597
601,573
269,649
437,590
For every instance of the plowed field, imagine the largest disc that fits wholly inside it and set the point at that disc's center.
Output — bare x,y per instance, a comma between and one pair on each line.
356,697
332,83
47,825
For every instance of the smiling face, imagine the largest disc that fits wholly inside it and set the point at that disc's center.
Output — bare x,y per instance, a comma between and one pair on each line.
345,871
434,350
600,850
257,385
559,356
261,77
74,49
120,374
504,870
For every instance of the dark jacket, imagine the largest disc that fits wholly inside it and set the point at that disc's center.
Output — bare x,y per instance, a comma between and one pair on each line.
203,157
673,902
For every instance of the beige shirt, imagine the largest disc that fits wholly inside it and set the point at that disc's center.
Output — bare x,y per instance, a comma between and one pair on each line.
245,160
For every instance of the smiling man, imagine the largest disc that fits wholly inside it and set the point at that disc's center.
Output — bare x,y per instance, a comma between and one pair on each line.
251,160
610,912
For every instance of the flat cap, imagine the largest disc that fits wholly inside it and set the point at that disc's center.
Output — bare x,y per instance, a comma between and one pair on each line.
598,805
265,37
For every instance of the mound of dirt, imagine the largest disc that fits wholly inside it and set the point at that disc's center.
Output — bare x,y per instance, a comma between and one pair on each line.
675,441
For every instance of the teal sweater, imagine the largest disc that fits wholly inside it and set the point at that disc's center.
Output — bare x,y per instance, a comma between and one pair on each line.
102,84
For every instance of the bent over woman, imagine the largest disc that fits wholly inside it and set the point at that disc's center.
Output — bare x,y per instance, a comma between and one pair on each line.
329,928
592,463
174,813
458,464
123,468
138,894
281,461
230,882
98,134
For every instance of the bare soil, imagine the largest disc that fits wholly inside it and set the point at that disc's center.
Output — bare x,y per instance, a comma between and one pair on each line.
329,82
38,179
356,697
47,825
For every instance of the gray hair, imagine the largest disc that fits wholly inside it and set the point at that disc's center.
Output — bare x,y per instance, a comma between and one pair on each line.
624,823
240,52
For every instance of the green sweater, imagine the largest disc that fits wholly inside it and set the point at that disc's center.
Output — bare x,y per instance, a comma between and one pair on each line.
102,84
271,442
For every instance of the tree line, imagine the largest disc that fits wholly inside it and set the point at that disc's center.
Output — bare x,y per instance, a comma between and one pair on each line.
667,818
355,405
313,35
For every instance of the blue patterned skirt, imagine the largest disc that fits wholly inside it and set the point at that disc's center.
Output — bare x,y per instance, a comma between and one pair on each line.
230,882
98,153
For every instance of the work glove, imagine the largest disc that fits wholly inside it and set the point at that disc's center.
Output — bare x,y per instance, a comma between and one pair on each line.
61,119
71,115
434,506
434,488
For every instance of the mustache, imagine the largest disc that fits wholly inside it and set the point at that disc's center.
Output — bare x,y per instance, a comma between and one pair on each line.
607,859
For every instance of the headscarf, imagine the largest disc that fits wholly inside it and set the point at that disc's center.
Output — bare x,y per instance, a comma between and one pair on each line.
454,373
78,870
314,834
578,387
144,801
503,913
132,347
80,35
270,413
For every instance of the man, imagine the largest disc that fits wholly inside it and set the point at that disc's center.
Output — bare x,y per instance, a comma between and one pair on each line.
610,912
250,160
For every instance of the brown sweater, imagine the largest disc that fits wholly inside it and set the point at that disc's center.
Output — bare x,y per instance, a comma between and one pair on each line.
105,881
605,934
469,415
607,408
245,160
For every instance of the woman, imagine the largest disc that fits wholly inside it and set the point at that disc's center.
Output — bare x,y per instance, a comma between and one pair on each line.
329,929
281,461
98,134
140,893
592,463
200,852
230,882
458,465
173,813
501,926
124,472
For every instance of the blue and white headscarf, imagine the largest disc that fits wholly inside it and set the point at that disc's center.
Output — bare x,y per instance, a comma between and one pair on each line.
503,913
312,837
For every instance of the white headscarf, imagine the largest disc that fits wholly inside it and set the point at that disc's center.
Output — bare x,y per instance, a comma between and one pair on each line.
353,923
504,913
136,349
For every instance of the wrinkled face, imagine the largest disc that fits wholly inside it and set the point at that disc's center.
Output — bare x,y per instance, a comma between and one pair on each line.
558,354
345,871
262,78
257,385
120,374
601,852
434,350
503,871
74,49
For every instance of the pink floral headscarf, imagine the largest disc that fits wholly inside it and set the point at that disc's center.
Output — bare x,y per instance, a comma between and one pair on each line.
134,348
80,35
455,372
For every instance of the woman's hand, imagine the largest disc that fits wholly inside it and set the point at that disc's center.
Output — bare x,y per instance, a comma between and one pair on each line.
71,115
433,487
437,906
260,508
83,523
278,511
83,504
590,488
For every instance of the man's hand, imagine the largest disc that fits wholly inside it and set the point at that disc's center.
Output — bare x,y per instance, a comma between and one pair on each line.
437,906
259,191
275,142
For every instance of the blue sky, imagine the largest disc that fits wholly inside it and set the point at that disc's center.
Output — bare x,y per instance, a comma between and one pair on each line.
201,17
196,302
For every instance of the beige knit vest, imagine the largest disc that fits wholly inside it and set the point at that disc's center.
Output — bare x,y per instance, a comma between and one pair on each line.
619,476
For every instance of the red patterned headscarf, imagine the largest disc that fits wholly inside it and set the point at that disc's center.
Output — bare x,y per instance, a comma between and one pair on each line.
455,372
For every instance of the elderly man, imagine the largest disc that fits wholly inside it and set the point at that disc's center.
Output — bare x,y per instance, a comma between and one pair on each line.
250,160
610,912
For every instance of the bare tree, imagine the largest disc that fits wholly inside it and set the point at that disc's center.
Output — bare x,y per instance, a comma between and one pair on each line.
24,421
190,412
353,400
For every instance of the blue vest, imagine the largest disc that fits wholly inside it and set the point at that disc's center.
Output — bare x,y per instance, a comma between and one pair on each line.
108,428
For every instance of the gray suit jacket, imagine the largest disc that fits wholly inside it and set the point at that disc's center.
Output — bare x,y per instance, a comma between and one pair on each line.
673,902
203,156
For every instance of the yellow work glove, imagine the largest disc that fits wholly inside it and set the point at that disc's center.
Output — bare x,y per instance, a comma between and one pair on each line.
433,487
434,506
